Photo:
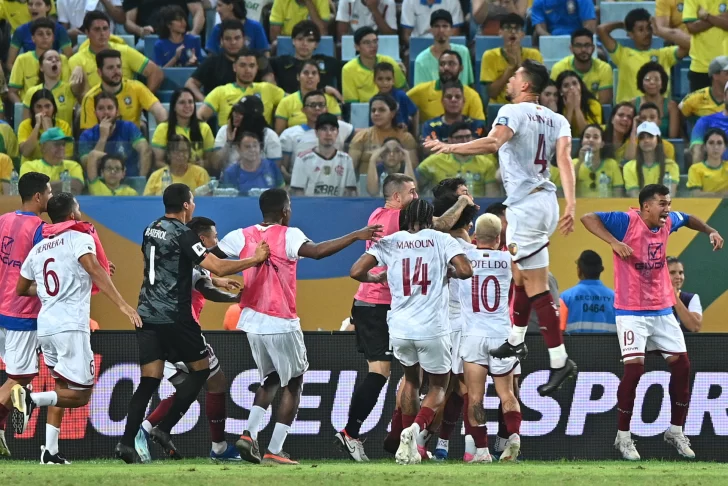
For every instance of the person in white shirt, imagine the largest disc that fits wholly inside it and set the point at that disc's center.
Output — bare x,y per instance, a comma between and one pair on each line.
486,323
246,116
415,18
380,15
324,171
61,270
72,12
418,260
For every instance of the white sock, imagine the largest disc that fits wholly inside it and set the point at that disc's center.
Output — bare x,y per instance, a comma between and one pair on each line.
279,437
443,444
45,399
676,429
517,335
219,447
558,356
254,420
624,434
470,445
147,426
52,439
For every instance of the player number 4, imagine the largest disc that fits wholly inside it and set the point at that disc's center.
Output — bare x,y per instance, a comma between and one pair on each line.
50,276
541,154
419,278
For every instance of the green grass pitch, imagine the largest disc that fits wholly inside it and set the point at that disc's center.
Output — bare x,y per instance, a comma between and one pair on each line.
203,472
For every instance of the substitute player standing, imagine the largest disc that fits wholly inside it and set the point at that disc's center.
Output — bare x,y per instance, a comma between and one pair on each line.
19,232
169,331
269,315
526,137
63,268
643,300
417,259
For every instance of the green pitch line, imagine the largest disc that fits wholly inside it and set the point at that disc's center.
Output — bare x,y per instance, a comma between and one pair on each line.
198,472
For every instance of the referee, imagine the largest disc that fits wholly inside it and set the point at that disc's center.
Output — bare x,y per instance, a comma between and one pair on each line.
169,332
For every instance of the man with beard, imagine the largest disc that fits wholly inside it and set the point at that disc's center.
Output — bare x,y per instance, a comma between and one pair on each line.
427,62
132,96
596,74
428,96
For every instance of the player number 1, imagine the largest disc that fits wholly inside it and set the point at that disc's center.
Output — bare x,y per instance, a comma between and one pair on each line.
152,275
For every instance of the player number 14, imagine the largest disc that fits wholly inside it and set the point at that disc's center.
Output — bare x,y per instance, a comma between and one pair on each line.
419,278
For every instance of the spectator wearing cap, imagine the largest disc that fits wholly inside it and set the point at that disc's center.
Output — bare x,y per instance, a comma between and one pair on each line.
427,65
53,163
357,75
305,38
596,74
428,96
285,14
255,36
589,305
218,69
707,23
499,64
478,171
179,167
718,120
687,309
711,99
487,13
380,15
559,17
629,60
453,101
252,170
650,166
710,179
248,113
416,14
106,176
651,112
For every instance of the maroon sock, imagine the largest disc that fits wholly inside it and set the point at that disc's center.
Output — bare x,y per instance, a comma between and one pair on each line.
626,393
425,417
4,412
397,426
680,389
480,436
521,306
513,422
161,411
216,415
466,421
502,427
548,319
450,415
407,420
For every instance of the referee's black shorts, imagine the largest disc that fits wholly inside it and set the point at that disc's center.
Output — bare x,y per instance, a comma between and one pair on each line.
178,342
372,332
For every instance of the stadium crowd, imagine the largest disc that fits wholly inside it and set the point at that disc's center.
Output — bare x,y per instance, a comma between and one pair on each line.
125,98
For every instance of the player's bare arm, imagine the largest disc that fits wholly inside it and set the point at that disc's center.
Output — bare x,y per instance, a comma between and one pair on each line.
594,225
691,320
360,271
448,220
499,135
103,282
321,250
224,267
227,283
697,224
568,182
25,287
213,294
461,267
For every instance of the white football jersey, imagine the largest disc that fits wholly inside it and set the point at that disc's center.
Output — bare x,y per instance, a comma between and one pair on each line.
454,305
525,159
484,297
417,276
318,176
64,286
302,138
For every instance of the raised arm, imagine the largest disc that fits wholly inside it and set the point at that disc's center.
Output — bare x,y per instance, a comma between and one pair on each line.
317,251
604,32
593,223
697,224
103,282
451,216
499,135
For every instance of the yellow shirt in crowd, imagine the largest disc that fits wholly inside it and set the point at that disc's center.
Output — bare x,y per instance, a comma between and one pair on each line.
596,118
672,9
159,139
651,174
25,129
586,186
65,100
53,171
700,103
133,97
291,108
223,98
99,188
6,169
597,78
287,13
25,73
629,61
708,179
437,167
133,62
358,80
428,98
17,14
707,45
8,140
494,64
195,177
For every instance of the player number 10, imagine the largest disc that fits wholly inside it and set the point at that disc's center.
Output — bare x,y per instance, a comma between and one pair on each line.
480,293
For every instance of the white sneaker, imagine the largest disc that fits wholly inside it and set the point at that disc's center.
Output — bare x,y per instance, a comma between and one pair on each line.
512,448
4,450
500,444
625,445
407,452
482,454
679,442
353,447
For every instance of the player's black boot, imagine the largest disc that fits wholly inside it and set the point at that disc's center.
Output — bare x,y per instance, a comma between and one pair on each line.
557,377
165,440
507,350
248,448
126,454
48,458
